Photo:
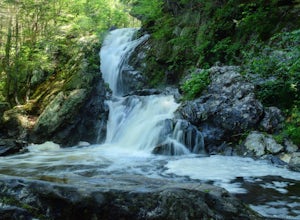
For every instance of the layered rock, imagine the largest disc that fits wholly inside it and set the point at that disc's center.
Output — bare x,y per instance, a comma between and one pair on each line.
158,199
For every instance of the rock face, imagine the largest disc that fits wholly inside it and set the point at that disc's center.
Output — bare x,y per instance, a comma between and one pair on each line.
80,115
36,199
64,110
227,109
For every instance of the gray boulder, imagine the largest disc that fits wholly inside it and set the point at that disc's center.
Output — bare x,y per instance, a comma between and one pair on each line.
260,144
73,116
227,109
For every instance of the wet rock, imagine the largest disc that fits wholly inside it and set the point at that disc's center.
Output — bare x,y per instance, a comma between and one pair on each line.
179,137
14,213
167,149
132,73
272,120
295,161
159,199
78,115
290,147
145,92
275,160
226,110
59,110
9,146
188,135
261,144
255,143
132,81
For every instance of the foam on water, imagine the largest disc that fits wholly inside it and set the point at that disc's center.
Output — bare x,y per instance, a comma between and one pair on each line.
223,170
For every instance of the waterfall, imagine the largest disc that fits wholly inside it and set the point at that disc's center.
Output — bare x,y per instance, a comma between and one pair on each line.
137,123
114,55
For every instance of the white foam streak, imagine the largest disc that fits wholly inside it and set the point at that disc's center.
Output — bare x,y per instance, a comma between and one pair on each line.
223,170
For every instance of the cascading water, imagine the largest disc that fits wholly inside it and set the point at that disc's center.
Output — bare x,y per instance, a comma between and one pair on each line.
138,124
135,122
114,54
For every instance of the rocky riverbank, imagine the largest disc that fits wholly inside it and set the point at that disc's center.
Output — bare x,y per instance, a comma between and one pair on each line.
130,197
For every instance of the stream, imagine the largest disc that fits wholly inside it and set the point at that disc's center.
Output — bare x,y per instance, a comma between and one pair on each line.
134,128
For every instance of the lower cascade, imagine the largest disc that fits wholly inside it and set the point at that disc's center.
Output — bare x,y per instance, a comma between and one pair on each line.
145,143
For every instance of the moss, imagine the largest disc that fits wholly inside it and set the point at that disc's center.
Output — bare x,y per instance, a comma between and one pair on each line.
11,201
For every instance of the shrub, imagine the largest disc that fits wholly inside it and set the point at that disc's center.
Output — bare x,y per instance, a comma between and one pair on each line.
194,86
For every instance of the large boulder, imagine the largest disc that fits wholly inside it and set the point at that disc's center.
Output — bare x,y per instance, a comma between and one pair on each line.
226,110
158,199
73,116
66,108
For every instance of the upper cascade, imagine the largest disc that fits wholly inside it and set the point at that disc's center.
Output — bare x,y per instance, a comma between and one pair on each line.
114,55
141,123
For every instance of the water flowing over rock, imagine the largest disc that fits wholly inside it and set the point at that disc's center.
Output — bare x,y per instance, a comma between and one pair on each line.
141,119
121,178
115,54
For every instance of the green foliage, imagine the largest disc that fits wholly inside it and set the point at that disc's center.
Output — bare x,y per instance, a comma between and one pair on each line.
200,33
194,86
278,66
44,38
149,10
292,126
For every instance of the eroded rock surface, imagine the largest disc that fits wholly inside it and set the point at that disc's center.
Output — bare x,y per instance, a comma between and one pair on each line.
228,108
126,199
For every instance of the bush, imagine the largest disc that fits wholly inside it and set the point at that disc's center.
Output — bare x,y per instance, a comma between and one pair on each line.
194,86
278,66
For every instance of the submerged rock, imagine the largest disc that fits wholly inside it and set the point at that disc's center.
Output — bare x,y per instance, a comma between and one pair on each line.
128,199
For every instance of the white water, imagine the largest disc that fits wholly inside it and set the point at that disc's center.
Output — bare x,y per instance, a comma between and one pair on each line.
134,128
115,50
136,122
